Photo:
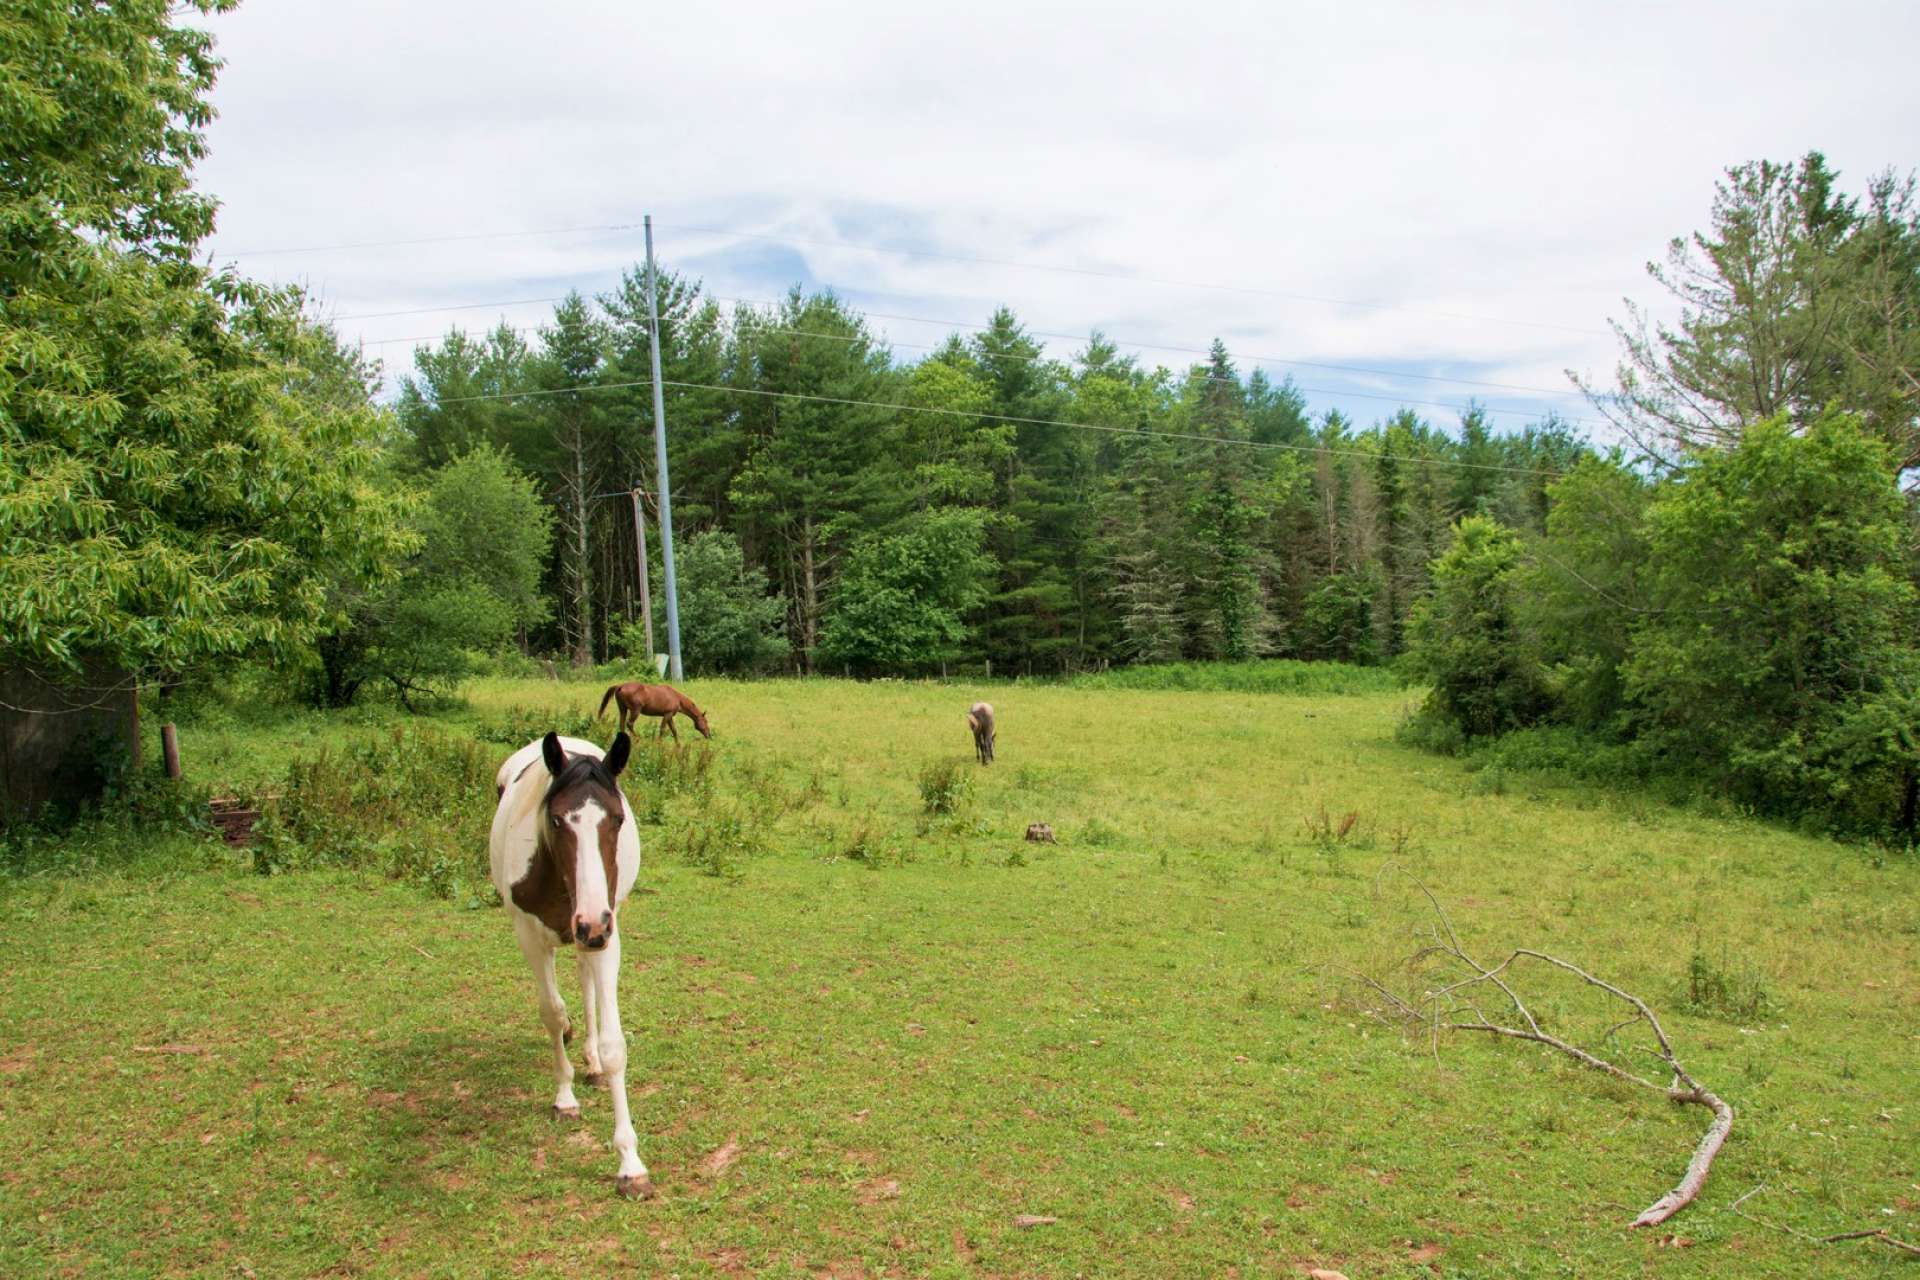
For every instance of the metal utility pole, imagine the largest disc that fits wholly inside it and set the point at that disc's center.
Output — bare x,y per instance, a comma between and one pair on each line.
646,593
660,456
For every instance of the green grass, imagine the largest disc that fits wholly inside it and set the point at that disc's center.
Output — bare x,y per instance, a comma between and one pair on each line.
1271,675
916,1026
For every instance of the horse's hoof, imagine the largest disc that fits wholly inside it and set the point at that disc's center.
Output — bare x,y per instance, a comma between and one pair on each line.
566,1034
566,1113
590,1078
638,1186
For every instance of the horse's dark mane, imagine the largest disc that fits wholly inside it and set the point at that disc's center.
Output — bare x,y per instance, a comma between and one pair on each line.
582,768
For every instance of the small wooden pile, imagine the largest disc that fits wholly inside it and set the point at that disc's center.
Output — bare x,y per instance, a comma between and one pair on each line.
234,818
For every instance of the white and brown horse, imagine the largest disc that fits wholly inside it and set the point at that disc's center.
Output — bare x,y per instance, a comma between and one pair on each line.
565,853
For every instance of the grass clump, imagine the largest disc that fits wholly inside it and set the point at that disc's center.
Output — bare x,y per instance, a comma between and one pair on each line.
945,787
1327,832
1725,990
869,845
516,726
717,840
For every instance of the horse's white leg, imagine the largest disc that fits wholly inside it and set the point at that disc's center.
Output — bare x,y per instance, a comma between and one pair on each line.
590,1005
553,1016
632,1180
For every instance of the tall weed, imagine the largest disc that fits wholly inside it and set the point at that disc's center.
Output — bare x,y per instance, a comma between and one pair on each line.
945,787
413,805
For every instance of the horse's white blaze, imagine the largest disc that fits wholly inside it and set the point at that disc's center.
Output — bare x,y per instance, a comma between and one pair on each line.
591,892
523,781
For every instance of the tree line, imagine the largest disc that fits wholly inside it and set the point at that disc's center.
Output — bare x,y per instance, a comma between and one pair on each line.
985,507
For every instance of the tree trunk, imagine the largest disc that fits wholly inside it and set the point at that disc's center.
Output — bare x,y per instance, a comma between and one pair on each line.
583,596
809,593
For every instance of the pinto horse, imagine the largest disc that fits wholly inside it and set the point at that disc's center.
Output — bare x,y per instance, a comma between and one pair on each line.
663,700
564,855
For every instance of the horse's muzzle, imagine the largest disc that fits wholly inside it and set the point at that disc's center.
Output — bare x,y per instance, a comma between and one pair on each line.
593,935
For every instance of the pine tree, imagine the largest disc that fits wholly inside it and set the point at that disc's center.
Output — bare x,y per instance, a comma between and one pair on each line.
571,363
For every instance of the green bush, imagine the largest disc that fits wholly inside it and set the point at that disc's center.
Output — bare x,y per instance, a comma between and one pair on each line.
415,805
140,817
1463,639
1778,657
1566,751
717,839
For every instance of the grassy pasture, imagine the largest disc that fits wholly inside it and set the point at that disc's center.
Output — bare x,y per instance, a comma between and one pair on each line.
879,1035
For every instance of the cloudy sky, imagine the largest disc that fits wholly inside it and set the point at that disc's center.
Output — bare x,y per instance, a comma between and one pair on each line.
1444,196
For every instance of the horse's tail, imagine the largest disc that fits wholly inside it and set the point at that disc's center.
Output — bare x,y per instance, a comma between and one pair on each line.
605,698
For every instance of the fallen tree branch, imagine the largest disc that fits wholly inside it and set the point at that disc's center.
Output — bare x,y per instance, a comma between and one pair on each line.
1451,1006
1869,1233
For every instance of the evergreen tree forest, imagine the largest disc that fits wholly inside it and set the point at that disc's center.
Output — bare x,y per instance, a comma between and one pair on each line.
986,507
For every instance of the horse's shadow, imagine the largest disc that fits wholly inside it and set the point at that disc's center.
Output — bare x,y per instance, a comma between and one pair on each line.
440,1109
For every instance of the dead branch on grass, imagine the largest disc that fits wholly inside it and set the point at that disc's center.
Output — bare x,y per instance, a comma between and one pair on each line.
1869,1233
1454,1006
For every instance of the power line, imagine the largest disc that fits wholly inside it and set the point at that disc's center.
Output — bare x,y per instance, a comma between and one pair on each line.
1245,355
1039,333
1137,278
396,244
830,242
1209,378
1118,341
997,417
427,311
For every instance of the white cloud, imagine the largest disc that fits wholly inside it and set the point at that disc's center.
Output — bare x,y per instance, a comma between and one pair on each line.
1515,163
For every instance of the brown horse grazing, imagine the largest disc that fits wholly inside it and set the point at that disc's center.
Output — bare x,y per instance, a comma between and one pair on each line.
980,720
663,700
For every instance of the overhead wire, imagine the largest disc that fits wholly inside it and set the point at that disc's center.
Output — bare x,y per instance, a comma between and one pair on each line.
1117,341
933,254
1142,433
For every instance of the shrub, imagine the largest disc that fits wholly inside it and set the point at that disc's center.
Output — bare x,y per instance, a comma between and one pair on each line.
1779,658
1463,641
415,805
1564,750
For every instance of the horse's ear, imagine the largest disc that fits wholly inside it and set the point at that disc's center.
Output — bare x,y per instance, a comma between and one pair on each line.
554,754
617,754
